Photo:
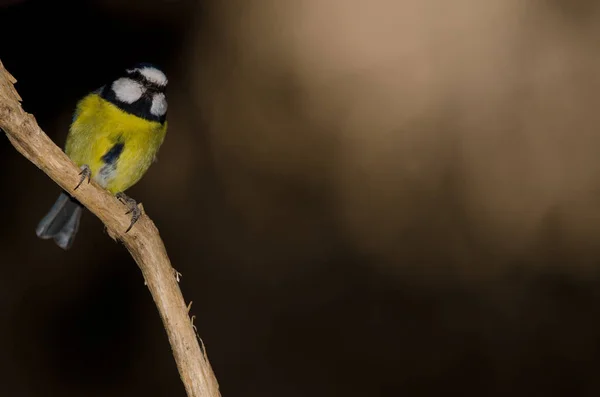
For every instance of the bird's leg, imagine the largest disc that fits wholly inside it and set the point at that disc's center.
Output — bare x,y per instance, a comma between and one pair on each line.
86,172
132,206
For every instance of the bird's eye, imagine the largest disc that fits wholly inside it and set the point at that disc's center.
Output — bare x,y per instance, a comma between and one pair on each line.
151,89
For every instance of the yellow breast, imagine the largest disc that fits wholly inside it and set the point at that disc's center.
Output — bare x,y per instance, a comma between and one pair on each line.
98,126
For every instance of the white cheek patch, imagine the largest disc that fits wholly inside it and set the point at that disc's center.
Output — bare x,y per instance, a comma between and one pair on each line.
159,105
127,90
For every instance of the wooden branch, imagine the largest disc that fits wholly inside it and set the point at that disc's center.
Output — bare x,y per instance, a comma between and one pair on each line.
143,240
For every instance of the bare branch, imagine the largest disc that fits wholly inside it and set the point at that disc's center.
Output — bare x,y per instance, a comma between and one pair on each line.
143,241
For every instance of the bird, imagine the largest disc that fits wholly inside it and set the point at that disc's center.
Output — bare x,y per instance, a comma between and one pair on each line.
114,137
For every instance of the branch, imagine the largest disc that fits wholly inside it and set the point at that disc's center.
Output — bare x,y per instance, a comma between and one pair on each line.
143,241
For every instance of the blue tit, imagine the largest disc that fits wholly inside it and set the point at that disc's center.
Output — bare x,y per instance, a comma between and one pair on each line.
114,137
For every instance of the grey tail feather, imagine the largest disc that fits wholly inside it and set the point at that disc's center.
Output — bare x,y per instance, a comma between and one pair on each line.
61,222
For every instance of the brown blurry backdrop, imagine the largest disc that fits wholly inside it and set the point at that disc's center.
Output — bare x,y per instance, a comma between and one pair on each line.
365,198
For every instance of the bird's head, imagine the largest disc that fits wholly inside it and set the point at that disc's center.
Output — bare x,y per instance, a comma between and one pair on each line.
141,90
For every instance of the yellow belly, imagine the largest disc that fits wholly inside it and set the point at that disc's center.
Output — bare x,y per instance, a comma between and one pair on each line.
97,127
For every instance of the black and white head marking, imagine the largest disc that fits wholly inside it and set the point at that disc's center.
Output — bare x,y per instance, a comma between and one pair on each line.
151,74
140,91
127,90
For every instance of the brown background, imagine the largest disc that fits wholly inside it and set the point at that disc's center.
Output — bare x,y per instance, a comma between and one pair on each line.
376,198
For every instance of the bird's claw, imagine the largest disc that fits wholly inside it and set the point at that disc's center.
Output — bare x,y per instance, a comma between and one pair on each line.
178,277
133,208
86,173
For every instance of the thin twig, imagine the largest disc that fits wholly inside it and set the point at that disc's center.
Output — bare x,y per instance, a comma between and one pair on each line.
143,241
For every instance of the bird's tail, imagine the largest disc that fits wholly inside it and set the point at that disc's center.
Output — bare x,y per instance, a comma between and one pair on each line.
61,222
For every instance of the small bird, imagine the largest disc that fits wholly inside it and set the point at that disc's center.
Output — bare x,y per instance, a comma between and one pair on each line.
114,137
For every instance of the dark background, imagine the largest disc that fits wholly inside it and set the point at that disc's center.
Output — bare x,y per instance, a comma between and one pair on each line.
364,199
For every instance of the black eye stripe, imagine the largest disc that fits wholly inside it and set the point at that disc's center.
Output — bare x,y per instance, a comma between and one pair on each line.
140,78
140,108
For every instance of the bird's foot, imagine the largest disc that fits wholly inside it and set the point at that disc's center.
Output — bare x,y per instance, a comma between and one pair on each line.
132,206
86,173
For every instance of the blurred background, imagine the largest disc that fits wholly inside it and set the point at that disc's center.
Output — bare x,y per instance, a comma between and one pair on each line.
365,198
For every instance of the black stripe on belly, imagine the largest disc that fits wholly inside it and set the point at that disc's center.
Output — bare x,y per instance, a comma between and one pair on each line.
113,154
